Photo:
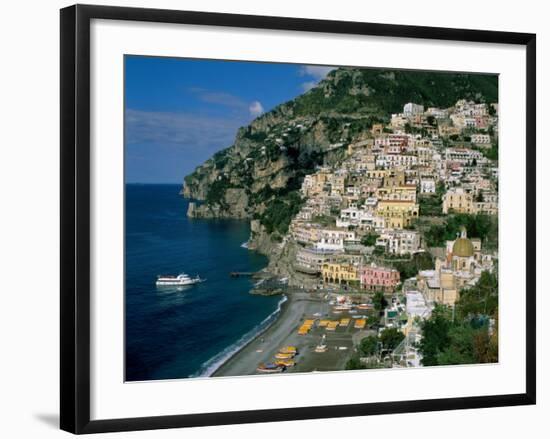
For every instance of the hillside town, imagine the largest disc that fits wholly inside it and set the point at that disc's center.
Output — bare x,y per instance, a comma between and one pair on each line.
372,232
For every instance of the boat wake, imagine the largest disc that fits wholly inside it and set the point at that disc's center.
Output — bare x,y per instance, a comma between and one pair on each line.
245,245
210,366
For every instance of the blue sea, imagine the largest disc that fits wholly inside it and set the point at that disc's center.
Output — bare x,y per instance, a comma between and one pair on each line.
178,333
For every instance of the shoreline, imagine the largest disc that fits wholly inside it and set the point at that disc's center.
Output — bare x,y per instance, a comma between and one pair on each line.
279,333
219,371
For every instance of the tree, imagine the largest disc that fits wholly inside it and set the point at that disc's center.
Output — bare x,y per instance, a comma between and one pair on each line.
480,226
374,319
379,301
479,300
369,239
435,335
430,205
391,337
419,261
461,346
368,345
492,153
354,363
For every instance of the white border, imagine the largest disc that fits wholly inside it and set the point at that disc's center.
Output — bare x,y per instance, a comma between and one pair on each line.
111,398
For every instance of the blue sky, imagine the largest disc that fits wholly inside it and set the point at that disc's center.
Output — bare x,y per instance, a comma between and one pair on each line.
181,111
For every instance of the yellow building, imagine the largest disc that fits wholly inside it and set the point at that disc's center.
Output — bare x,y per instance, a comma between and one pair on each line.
404,192
458,200
394,178
340,272
314,184
397,214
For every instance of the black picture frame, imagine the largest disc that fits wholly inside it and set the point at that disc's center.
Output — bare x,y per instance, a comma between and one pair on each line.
75,217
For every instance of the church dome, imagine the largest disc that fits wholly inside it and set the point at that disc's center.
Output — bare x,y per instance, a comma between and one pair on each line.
463,248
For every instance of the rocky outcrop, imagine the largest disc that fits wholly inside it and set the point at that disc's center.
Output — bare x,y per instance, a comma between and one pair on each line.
282,256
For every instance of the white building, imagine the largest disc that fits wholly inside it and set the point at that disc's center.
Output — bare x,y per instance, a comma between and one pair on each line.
427,186
333,239
481,139
462,155
364,221
399,242
438,113
411,109
388,161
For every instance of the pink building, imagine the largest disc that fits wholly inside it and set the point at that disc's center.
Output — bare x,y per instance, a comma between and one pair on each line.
374,278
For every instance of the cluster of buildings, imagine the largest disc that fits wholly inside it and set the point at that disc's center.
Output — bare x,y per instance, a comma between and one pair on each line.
461,267
371,200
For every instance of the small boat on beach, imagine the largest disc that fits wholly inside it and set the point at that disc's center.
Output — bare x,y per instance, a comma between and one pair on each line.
283,356
269,368
364,306
181,279
285,363
322,346
289,350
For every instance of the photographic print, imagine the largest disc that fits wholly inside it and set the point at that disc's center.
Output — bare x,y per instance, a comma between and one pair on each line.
285,218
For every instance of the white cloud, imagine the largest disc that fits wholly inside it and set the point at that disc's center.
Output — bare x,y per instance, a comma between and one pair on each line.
256,109
317,72
218,98
308,85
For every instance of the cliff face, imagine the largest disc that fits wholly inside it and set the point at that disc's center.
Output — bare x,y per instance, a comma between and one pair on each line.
269,158
282,256
260,174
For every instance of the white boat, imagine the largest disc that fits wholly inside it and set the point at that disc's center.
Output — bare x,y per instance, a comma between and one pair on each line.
179,280
322,346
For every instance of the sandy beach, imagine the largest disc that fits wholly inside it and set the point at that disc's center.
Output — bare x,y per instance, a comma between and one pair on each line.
284,332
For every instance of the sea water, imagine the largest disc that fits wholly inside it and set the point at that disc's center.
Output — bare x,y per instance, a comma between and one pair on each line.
180,332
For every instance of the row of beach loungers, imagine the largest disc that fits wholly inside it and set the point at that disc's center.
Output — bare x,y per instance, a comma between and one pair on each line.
331,325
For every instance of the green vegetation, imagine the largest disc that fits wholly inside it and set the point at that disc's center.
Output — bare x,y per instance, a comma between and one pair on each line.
465,336
391,337
432,204
480,226
369,239
491,153
216,191
221,158
373,319
410,129
354,363
324,220
280,211
303,160
385,91
479,300
258,136
419,261
368,346
379,301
